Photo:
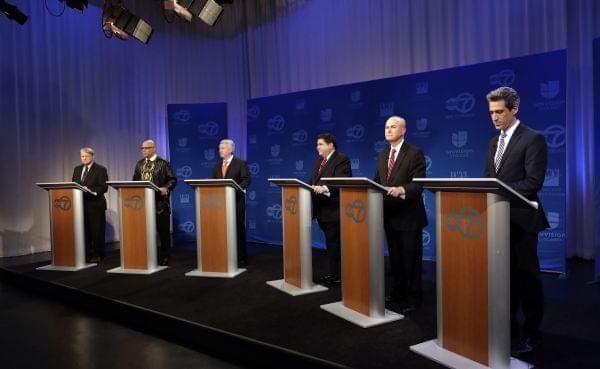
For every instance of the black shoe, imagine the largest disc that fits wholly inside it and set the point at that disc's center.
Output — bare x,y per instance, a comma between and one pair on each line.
409,308
242,264
327,278
335,279
164,261
524,346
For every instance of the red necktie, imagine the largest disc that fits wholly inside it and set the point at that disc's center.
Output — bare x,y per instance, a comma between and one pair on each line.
391,163
323,163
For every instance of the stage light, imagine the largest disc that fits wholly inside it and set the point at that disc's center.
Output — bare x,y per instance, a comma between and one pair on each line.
179,7
118,21
76,4
12,12
210,12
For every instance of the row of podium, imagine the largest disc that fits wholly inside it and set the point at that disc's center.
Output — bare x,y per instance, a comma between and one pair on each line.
472,251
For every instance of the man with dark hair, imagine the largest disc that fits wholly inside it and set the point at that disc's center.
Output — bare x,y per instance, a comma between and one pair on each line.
326,201
518,157
157,170
92,176
403,213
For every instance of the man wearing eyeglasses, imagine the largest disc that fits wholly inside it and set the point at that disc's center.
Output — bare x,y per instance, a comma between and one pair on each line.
157,170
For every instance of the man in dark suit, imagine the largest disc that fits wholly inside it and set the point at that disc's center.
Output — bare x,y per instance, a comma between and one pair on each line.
160,172
403,213
326,201
232,167
92,176
519,157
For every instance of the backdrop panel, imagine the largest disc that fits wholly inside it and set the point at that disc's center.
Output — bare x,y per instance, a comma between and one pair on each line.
194,134
597,149
447,116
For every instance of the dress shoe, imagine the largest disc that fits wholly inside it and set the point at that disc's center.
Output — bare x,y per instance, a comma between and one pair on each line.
95,259
409,308
327,278
524,346
242,264
164,261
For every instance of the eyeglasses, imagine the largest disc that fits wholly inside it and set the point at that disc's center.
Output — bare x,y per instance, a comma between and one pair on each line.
146,147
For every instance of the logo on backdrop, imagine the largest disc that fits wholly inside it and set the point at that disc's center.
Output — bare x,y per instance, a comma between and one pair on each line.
463,103
421,131
426,238
467,222
291,204
356,211
555,136
550,89
428,163
299,164
379,146
184,198
253,112
326,114
182,116
185,171
182,141
459,139
251,224
187,227
274,211
209,129
300,136
553,219
252,195
552,178
355,163
422,88
276,124
355,100
505,77
459,174
275,150
252,139
254,168
134,203
213,202
386,109
63,203
300,104
209,154
355,133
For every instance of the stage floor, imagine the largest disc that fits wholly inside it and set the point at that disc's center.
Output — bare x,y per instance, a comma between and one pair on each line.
246,309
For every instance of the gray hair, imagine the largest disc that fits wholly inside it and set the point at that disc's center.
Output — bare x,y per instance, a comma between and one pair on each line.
88,150
229,142
397,119
509,95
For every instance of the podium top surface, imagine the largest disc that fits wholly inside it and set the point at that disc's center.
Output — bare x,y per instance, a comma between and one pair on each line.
491,185
356,182
213,182
133,184
290,182
62,185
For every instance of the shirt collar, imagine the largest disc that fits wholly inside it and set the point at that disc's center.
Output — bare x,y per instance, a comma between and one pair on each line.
509,132
228,161
153,157
329,156
397,147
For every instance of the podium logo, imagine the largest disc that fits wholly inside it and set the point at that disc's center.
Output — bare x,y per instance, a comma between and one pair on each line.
555,136
209,154
550,89
276,124
274,211
463,103
467,221
252,195
187,227
299,164
185,171
63,203
356,211
505,77
213,202
422,124
184,198
300,136
253,112
459,139
182,116
300,104
426,238
291,204
254,168
275,150
209,129
326,114
553,219
356,132
379,146
134,203
386,109
182,142
355,163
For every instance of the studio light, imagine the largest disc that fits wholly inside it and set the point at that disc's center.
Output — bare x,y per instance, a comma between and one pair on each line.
12,12
210,12
119,21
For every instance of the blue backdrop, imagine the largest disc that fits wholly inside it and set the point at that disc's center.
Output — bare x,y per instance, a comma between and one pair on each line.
447,116
194,134
597,149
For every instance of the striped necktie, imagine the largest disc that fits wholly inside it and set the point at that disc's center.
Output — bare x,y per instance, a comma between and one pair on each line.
500,152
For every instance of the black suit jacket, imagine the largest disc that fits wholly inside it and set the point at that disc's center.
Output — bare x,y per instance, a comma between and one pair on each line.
403,214
162,176
523,167
95,180
238,171
327,208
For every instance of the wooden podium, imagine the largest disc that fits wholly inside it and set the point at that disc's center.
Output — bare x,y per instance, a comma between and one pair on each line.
363,272
67,232
216,228
297,235
137,218
473,273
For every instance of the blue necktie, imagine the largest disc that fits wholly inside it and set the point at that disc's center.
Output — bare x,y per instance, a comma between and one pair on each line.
500,151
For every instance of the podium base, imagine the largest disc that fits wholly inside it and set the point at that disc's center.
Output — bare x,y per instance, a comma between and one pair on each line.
200,273
431,350
290,289
364,321
57,268
121,270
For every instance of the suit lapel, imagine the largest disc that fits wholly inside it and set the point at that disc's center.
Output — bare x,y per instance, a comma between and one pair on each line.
327,167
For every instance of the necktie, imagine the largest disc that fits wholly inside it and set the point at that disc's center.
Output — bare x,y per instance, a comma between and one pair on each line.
224,169
147,171
391,163
323,163
85,172
500,151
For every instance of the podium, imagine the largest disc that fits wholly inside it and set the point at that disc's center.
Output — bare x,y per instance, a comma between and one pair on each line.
67,232
297,236
137,218
363,272
216,228
473,273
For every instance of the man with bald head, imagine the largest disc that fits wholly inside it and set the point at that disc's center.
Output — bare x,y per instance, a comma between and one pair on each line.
403,213
157,170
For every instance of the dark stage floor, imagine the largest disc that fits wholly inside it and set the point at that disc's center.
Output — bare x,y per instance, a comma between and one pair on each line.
246,307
